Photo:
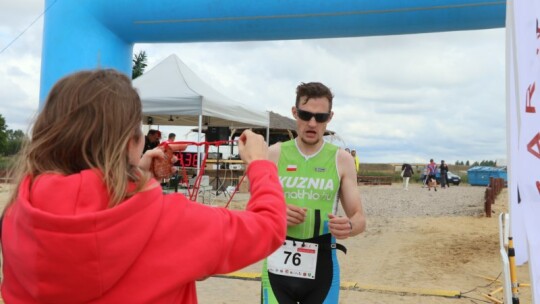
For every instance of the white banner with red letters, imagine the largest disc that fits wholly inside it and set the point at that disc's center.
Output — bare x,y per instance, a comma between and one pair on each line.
523,97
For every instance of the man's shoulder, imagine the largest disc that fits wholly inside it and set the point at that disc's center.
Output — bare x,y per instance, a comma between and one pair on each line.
274,151
344,158
275,147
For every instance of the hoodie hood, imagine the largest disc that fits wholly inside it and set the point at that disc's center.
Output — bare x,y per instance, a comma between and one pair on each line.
67,244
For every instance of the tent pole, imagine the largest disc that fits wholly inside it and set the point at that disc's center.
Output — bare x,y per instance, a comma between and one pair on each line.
231,144
199,163
268,130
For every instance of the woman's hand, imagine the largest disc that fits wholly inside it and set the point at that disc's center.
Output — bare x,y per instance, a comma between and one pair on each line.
146,159
252,147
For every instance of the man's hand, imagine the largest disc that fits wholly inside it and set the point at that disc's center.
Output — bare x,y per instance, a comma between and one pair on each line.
340,226
295,215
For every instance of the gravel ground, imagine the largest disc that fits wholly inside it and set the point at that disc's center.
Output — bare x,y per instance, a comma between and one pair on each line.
392,201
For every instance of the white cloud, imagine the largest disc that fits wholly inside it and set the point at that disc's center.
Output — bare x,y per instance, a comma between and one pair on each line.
397,98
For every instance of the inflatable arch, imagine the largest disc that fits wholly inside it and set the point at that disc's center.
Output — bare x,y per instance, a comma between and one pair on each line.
85,34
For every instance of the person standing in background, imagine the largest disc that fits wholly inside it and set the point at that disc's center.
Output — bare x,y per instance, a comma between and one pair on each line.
444,175
356,160
171,138
406,173
424,177
151,140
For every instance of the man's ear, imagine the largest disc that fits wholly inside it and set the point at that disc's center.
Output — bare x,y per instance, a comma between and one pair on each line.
331,116
293,111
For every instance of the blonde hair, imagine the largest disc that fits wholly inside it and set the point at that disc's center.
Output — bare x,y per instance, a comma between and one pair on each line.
87,122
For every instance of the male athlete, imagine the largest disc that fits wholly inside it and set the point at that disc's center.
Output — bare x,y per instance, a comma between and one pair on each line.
315,176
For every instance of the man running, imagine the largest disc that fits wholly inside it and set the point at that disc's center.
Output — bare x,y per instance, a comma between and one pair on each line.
315,176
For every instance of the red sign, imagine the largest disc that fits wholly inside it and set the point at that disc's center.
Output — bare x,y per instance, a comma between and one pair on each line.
305,250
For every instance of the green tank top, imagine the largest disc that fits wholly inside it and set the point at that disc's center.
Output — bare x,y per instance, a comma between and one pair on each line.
310,182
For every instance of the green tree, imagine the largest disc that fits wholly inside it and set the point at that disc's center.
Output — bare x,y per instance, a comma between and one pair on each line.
467,163
3,134
139,64
14,141
488,163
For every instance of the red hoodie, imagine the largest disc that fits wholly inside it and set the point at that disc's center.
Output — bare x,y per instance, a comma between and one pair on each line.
61,244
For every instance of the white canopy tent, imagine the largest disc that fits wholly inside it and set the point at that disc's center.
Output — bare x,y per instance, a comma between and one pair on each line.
172,94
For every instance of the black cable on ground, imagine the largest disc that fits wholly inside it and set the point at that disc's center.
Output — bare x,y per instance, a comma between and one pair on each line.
485,286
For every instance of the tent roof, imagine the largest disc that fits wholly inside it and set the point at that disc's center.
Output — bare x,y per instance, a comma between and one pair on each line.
278,121
172,94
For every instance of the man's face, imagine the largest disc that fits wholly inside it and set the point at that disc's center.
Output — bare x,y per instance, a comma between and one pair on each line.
311,132
153,137
353,153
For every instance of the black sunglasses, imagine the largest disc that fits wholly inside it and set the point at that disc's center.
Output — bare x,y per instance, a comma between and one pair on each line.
306,115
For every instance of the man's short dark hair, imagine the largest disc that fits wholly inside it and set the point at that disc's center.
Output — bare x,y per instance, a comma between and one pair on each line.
154,132
171,135
313,90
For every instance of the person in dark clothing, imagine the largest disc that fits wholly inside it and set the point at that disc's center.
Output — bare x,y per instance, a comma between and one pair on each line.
444,175
406,172
151,140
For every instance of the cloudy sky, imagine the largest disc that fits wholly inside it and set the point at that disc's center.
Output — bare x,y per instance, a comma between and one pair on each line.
397,98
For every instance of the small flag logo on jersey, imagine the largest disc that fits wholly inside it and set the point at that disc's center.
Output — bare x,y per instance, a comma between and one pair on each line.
291,167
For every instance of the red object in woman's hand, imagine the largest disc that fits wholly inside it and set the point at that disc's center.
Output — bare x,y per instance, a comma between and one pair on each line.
162,167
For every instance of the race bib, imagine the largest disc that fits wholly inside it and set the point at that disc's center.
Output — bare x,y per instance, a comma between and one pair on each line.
294,259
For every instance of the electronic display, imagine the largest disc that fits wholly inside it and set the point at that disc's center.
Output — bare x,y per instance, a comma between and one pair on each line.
187,159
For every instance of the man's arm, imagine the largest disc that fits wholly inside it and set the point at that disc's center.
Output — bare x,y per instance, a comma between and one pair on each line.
340,227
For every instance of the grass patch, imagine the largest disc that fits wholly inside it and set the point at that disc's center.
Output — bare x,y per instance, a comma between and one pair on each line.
5,162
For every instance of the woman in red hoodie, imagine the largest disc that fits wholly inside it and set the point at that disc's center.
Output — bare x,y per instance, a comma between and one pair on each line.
88,224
